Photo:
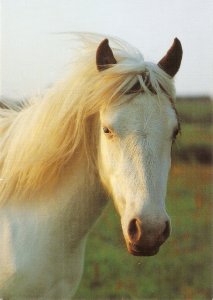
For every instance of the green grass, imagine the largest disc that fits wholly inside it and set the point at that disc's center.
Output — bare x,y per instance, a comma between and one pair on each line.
183,267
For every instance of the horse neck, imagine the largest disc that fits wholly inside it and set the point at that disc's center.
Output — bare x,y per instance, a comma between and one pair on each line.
83,200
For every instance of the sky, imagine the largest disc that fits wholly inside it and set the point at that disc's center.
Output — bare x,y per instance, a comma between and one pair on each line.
33,56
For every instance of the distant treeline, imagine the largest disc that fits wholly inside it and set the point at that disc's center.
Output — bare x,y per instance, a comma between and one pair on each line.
196,116
195,109
202,98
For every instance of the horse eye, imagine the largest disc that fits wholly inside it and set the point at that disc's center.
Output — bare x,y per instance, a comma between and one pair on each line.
106,130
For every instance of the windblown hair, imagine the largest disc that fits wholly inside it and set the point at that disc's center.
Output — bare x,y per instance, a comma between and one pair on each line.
38,141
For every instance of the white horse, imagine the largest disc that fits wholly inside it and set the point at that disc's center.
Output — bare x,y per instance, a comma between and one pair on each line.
107,129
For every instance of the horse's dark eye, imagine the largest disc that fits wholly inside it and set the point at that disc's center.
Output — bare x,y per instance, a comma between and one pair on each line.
106,130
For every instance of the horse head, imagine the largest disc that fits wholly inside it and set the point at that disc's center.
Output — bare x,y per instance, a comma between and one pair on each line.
136,136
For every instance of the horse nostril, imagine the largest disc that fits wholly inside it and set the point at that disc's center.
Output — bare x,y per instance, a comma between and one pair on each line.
166,231
134,230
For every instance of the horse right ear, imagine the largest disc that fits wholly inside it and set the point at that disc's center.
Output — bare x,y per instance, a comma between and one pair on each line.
170,63
104,56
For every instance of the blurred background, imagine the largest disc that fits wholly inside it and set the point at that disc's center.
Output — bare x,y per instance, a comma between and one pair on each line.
34,55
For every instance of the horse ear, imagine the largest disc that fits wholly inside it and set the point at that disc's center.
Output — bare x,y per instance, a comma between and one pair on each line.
170,63
104,56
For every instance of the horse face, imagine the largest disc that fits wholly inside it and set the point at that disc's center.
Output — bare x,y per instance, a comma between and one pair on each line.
135,158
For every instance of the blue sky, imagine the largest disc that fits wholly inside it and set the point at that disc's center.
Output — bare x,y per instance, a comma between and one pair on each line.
33,58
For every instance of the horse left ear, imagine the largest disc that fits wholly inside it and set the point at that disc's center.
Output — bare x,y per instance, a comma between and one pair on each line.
170,63
104,56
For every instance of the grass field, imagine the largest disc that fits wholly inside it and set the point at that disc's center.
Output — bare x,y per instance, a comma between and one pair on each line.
183,267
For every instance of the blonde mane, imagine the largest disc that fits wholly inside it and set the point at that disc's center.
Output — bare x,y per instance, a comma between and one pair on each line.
40,140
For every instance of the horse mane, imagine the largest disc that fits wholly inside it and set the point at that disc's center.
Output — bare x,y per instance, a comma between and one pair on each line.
43,137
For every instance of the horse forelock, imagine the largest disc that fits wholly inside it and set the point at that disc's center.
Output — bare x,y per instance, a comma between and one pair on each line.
46,136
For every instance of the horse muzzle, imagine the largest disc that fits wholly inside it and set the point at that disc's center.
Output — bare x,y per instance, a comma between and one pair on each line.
145,241
136,250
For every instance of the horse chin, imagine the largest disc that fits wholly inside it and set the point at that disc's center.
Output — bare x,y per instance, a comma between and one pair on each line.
136,251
